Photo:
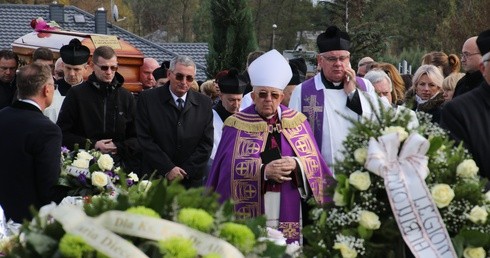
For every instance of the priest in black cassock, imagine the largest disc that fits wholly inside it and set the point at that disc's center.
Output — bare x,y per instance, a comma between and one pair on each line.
468,116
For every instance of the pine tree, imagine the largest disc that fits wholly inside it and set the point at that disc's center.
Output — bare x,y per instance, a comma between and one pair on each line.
233,35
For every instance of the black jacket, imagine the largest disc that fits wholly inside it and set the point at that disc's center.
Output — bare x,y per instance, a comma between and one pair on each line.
30,146
95,110
169,137
469,82
7,93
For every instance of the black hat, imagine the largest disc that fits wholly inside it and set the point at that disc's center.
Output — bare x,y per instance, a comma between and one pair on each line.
333,39
161,72
298,67
232,83
74,53
483,42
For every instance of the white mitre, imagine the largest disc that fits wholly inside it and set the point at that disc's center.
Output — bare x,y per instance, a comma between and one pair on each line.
271,70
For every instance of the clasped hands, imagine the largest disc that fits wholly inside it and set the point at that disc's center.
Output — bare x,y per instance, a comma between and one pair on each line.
279,170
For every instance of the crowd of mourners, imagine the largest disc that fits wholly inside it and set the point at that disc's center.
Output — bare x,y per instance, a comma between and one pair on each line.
241,133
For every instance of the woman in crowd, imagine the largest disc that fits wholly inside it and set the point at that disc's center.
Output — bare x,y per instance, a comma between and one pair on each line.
449,84
447,64
426,92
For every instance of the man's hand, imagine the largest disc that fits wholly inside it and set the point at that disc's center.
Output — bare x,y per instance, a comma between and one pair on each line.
176,173
280,169
349,80
106,146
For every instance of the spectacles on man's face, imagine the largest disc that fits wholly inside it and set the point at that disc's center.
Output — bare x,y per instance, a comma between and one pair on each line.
265,94
465,55
180,77
334,59
106,67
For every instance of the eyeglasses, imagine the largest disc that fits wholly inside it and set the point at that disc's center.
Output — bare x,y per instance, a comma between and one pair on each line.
180,77
333,59
465,55
105,67
265,94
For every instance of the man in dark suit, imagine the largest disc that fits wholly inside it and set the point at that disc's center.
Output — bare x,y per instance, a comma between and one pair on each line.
175,126
9,61
30,145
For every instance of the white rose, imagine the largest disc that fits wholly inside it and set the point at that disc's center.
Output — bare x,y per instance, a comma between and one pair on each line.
467,169
144,185
369,220
105,162
474,252
338,199
442,195
345,250
99,179
133,177
402,134
84,155
80,163
478,215
360,155
360,180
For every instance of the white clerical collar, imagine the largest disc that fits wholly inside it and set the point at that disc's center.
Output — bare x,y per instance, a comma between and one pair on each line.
32,102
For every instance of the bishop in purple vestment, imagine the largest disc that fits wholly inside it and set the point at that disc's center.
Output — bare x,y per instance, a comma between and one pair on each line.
267,161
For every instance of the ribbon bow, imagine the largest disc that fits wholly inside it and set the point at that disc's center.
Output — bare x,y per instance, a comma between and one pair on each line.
383,154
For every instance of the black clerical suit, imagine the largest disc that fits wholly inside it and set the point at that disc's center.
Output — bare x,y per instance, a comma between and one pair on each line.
170,137
468,119
30,146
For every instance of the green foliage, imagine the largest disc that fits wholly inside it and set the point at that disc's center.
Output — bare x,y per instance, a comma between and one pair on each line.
233,36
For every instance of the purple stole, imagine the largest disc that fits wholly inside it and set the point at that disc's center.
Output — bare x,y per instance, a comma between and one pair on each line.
236,173
312,103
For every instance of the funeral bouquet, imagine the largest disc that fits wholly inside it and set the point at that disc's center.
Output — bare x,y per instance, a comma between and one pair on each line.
90,172
154,219
402,188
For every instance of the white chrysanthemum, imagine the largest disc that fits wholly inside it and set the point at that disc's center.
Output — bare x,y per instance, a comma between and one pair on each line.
144,185
105,162
338,199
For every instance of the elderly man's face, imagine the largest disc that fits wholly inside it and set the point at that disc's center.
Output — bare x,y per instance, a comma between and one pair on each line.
181,79
231,102
383,89
267,100
333,64
146,74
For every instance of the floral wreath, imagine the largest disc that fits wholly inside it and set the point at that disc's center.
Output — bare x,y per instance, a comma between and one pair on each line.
360,221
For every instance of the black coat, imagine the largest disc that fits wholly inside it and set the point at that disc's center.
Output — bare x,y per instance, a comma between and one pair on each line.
30,146
7,93
172,138
468,120
469,82
94,110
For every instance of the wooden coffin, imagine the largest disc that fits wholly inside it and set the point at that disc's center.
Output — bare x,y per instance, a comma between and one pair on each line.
129,58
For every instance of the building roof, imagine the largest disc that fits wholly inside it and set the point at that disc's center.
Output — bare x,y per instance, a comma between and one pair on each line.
15,22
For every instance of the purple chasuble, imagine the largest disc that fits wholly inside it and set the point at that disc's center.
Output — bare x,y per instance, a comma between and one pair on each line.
312,105
235,172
